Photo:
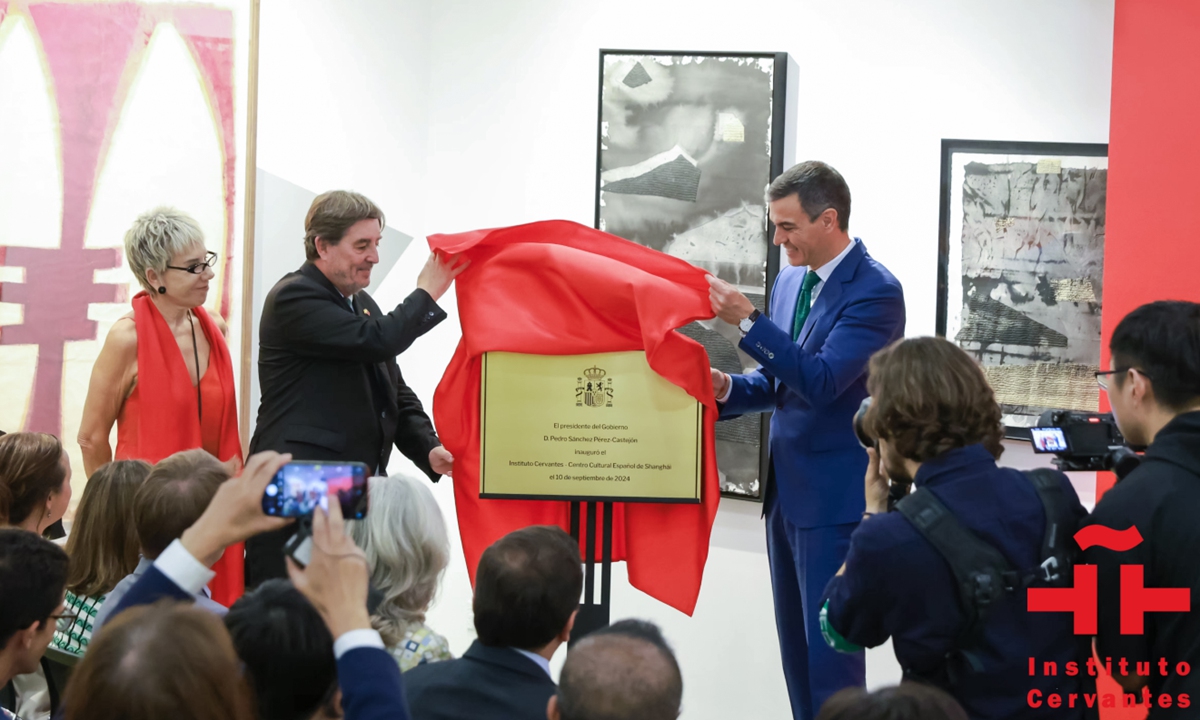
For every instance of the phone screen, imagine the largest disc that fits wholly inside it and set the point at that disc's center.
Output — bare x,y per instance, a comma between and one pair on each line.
299,488
1048,440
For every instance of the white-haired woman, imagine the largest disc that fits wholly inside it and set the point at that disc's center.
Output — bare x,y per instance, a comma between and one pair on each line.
405,540
164,375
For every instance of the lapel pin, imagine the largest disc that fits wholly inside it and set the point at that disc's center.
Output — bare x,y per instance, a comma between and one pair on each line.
366,311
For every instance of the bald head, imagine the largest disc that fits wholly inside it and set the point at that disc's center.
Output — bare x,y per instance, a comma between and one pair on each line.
623,672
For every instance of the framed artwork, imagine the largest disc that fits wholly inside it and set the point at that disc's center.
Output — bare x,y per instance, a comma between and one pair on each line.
121,107
686,146
1021,269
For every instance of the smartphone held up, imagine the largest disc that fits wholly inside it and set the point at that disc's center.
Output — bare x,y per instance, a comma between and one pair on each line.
300,487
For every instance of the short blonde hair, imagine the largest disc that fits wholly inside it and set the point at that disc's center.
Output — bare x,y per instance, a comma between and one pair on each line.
404,537
156,237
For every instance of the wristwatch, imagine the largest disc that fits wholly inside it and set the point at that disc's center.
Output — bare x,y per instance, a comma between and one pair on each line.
747,323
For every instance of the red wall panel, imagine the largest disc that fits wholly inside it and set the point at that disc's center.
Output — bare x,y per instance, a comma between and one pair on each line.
1152,250
1153,243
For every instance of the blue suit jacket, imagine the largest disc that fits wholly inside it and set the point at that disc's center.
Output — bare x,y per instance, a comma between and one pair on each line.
815,385
369,677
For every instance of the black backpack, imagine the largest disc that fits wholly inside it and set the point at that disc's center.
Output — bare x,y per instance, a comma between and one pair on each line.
982,573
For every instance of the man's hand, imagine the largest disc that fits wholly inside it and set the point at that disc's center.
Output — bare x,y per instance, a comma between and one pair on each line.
875,484
235,512
337,576
727,303
441,461
721,382
438,273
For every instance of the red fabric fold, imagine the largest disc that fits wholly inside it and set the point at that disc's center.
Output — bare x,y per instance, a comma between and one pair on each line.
169,419
559,288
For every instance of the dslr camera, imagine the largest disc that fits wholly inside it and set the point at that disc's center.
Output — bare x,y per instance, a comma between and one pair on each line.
1083,441
896,490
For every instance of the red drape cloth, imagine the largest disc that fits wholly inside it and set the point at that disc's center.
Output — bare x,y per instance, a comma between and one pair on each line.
559,288
169,420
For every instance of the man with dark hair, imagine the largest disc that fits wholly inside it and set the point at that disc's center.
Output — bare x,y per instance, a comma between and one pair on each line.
527,590
907,701
1153,386
288,653
937,424
625,671
33,583
173,496
831,308
331,388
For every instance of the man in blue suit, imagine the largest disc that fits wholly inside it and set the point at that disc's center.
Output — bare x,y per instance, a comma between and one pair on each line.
831,309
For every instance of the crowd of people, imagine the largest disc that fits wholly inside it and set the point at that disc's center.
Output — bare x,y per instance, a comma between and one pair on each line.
940,550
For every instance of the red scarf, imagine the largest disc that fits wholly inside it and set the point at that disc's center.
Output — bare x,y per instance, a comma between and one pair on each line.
170,420
559,288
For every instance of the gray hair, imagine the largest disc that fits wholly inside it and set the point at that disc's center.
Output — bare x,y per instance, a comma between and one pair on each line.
156,237
405,540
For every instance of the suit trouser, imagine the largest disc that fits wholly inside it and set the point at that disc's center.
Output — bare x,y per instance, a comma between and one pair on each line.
802,562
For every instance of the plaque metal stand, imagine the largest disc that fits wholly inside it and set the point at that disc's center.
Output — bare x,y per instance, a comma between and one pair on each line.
593,615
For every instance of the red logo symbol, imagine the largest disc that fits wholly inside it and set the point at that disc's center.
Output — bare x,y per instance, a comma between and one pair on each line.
1136,598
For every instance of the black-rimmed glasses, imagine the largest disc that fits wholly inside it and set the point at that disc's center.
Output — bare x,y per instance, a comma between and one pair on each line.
68,615
1102,375
210,263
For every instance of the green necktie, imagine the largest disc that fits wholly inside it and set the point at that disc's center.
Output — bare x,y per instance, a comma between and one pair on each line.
804,303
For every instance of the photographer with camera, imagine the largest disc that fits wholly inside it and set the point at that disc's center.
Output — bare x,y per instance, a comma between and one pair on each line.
1153,386
968,525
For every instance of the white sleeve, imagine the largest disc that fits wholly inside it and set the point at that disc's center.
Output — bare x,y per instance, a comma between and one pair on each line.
182,569
354,639
728,390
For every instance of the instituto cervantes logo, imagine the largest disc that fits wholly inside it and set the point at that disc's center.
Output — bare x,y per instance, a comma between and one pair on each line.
1081,600
596,390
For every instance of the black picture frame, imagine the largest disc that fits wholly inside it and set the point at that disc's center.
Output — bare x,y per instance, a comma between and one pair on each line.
777,125
952,147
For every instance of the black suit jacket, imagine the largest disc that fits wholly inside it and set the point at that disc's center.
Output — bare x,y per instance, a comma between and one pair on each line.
331,388
486,682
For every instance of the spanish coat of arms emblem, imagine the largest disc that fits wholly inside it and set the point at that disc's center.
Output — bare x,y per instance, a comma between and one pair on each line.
594,389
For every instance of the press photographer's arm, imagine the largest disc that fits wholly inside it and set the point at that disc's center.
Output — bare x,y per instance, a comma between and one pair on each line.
879,491
877,488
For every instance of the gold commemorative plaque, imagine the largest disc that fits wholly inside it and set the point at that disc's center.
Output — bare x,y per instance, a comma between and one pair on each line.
587,427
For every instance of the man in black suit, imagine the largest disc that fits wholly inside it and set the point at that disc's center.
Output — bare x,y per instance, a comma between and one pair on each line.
527,590
331,388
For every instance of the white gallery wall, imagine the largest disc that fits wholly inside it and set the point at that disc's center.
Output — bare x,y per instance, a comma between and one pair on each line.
460,114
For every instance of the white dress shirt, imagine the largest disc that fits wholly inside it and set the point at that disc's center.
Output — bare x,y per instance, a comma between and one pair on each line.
827,269
542,662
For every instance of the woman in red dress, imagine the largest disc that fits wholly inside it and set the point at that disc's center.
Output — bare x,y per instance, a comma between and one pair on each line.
164,375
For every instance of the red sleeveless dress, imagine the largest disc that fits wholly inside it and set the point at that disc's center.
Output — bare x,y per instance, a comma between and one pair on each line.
161,417
211,394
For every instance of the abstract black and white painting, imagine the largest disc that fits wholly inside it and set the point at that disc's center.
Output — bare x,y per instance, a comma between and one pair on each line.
1021,269
687,144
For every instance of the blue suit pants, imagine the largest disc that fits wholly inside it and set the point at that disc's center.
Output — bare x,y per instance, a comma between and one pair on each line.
802,562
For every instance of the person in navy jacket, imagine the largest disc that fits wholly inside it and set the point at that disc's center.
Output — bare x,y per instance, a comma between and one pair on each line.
831,309
938,423
335,582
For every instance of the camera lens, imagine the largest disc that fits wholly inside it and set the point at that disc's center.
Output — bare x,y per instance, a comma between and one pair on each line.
864,438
